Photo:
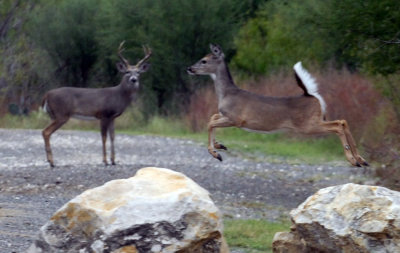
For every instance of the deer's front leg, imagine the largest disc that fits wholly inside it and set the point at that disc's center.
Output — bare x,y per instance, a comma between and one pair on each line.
216,144
216,120
104,124
111,133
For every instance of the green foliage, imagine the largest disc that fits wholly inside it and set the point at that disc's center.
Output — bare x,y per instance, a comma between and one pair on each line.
24,69
66,31
281,34
353,33
361,31
252,234
82,38
178,32
27,70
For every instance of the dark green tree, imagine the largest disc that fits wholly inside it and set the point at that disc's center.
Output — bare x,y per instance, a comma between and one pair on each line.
179,33
66,31
24,71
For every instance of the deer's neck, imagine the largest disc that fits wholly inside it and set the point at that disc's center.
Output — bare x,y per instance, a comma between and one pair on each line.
126,90
223,81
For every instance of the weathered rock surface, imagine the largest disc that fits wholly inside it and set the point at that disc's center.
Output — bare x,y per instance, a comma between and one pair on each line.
157,210
344,218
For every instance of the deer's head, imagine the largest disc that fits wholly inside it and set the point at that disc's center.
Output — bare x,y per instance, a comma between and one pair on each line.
208,65
132,72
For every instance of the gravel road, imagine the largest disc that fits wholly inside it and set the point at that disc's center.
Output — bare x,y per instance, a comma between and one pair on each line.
31,191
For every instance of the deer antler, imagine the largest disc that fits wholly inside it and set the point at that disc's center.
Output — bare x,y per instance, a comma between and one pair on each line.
120,49
147,52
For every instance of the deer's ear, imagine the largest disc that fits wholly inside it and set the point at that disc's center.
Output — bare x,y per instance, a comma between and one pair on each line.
144,67
121,67
217,51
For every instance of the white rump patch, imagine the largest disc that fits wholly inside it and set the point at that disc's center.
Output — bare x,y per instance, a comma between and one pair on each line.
310,84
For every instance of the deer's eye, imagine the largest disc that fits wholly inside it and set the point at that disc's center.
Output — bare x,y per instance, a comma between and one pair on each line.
203,62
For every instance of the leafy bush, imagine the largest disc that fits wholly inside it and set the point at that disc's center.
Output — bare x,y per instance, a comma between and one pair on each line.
281,34
359,35
66,31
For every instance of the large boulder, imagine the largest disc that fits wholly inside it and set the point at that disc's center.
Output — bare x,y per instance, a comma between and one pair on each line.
344,218
157,210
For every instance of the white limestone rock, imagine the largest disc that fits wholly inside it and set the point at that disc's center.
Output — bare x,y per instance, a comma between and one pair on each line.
347,218
157,210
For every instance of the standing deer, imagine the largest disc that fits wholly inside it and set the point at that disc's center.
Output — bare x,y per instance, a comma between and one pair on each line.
239,108
104,104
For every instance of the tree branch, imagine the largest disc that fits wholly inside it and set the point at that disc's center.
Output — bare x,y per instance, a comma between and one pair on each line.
4,26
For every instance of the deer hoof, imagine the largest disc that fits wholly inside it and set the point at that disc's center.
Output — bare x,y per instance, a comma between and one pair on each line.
113,163
219,157
362,161
220,146
215,154
358,164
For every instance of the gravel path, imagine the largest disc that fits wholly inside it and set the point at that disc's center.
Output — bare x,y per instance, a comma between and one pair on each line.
31,191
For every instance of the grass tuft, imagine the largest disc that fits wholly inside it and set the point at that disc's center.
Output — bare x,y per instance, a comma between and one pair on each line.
252,235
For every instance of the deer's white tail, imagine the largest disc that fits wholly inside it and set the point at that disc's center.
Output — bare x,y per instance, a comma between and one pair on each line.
310,84
44,106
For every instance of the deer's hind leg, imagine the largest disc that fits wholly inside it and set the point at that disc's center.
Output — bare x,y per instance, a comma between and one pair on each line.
338,127
216,121
47,132
352,144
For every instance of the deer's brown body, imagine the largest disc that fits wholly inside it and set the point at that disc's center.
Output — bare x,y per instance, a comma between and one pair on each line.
104,104
239,108
72,102
253,115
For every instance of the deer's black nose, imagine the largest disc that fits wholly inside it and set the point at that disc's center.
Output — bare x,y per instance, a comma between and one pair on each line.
133,79
190,71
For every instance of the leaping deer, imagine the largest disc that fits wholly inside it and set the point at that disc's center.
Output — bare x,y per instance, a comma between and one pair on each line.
104,104
239,108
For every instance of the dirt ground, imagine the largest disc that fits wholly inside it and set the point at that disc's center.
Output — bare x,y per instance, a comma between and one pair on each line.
31,191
